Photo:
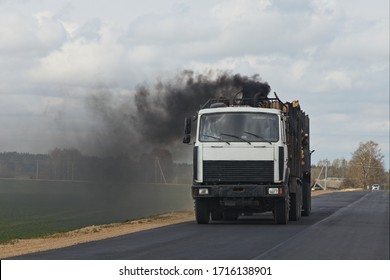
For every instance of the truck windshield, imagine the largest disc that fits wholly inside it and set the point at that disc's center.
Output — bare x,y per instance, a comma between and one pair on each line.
238,127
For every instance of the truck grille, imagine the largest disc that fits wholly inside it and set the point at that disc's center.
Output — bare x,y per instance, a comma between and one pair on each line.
227,171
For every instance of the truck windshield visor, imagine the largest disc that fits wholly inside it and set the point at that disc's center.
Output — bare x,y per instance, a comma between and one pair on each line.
239,127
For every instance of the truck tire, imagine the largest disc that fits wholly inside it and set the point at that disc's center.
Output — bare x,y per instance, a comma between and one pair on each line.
202,211
281,212
295,205
306,203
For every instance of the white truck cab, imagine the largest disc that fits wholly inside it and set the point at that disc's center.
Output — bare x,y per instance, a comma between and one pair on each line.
250,157
240,145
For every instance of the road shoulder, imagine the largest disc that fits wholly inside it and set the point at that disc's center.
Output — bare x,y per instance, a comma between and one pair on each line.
93,233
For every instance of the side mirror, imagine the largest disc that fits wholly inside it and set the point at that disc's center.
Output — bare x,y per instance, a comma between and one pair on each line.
187,130
187,125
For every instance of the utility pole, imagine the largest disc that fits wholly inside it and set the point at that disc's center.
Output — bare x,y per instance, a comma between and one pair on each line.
72,171
158,165
326,172
37,171
324,165
155,170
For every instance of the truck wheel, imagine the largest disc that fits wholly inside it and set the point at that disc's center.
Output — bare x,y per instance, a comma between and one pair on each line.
202,212
296,205
306,203
281,211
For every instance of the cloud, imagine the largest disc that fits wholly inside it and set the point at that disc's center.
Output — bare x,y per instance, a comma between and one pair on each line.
367,41
233,12
90,31
265,28
82,61
38,33
331,55
339,79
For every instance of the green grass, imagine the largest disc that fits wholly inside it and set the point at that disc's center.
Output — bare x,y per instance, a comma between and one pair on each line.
30,208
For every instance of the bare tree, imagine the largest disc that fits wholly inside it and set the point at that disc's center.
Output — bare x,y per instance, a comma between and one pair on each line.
366,166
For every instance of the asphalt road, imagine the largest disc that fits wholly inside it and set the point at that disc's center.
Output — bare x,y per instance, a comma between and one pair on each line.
343,225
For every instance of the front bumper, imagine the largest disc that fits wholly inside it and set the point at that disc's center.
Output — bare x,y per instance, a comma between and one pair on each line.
241,191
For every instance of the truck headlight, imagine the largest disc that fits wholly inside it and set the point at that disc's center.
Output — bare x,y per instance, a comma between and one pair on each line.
273,190
203,191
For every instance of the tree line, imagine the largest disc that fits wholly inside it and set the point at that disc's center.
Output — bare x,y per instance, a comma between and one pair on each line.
70,164
365,168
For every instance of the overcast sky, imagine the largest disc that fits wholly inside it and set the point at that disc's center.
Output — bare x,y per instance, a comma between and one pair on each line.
331,55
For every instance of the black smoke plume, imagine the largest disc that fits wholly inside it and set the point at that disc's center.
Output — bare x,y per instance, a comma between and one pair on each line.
160,111
154,116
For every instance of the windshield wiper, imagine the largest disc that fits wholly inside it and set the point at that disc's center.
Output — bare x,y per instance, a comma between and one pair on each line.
214,137
258,136
237,137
